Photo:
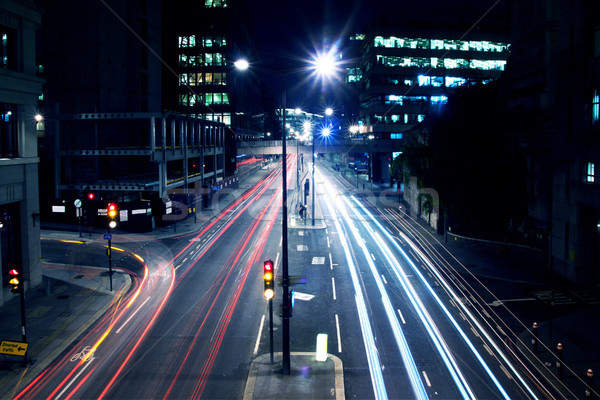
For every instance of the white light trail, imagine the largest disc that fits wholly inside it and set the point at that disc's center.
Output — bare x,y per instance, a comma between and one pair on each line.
375,369
446,311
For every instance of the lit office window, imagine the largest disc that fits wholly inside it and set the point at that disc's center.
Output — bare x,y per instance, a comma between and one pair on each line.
439,99
213,59
215,3
396,135
215,99
439,44
216,78
596,107
452,81
590,177
187,41
4,50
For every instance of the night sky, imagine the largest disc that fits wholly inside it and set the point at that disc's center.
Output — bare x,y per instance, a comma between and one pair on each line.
288,32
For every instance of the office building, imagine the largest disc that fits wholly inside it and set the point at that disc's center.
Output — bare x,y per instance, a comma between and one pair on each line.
20,88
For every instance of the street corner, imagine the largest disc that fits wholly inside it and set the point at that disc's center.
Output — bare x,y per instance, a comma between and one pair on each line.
308,378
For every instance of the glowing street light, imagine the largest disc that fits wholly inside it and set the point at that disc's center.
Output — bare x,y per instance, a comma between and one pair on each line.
326,131
241,64
329,111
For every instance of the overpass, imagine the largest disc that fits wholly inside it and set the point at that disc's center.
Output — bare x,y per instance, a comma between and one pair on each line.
321,146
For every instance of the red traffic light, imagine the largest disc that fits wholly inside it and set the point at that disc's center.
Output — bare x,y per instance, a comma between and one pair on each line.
268,273
112,210
15,280
91,196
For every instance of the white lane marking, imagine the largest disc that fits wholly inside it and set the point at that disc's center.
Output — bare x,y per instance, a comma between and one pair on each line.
132,315
87,364
328,244
184,260
401,316
262,322
339,336
318,261
426,379
383,277
373,257
276,260
333,286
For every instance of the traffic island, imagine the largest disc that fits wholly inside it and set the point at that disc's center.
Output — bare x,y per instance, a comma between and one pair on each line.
308,378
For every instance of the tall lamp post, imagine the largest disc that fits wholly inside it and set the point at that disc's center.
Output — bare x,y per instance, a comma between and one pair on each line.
324,65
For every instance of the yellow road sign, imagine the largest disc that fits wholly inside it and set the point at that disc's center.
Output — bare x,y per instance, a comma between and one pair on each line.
13,348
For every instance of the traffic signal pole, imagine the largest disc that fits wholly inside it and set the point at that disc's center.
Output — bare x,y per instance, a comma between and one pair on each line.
109,261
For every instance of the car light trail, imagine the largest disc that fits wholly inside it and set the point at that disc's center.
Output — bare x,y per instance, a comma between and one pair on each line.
445,309
407,358
377,381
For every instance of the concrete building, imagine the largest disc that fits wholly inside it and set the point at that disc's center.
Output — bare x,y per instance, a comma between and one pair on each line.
20,87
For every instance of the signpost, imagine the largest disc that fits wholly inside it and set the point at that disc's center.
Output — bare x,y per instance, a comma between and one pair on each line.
13,348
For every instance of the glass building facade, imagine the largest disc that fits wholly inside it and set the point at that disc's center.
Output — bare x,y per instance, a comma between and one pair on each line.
404,77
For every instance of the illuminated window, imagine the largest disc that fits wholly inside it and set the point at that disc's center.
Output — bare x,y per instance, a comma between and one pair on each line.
8,48
216,78
439,99
215,99
215,3
590,177
213,59
452,81
396,135
187,41
596,107
439,44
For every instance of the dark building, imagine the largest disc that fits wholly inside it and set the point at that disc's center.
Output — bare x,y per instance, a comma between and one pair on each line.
554,76
20,88
117,124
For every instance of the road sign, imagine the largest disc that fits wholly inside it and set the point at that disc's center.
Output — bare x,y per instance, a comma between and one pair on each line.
215,188
77,203
108,236
13,348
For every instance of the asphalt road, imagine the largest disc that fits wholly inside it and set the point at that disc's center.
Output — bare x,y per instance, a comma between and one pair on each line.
404,321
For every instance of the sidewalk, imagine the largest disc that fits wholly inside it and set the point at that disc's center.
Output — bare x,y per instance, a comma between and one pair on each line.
71,299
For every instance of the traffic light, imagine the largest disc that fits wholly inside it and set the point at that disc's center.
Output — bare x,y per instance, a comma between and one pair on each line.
91,196
268,276
112,215
15,281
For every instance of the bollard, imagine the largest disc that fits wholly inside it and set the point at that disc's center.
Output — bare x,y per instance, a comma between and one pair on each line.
559,355
590,384
534,339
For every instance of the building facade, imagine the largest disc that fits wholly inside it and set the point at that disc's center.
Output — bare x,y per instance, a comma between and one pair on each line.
554,81
201,42
412,61
20,88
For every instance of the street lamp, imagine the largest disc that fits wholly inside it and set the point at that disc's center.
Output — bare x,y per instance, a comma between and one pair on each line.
324,65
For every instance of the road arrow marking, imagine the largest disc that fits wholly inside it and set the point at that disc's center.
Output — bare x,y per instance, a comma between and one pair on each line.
303,296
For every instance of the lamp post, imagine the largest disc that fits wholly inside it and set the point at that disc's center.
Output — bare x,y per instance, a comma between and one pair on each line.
324,65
